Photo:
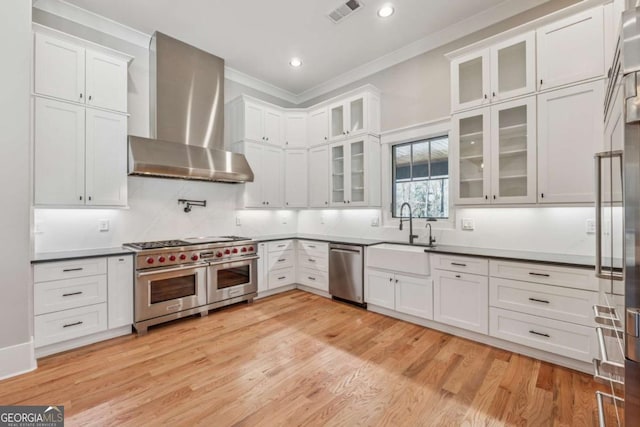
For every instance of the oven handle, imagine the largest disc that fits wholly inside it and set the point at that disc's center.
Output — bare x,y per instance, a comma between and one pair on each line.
169,270
227,261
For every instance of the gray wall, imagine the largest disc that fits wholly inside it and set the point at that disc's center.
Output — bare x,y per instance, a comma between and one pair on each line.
418,90
15,172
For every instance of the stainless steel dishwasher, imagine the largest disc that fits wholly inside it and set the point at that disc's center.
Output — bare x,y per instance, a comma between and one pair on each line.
346,272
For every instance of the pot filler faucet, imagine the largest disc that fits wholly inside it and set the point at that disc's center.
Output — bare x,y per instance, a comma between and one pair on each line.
402,220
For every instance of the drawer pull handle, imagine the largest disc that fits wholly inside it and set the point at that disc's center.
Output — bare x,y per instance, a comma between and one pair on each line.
72,324
282,260
72,293
282,278
67,270
459,264
540,333
281,246
311,278
312,246
458,276
312,260
540,274
538,300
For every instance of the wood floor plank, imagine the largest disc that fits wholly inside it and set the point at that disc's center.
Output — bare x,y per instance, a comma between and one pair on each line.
297,359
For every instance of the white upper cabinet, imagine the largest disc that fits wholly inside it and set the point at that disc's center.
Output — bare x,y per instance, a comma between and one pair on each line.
295,128
295,181
69,71
570,131
273,126
354,116
571,50
319,177
318,127
499,72
254,121
355,172
471,146
267,165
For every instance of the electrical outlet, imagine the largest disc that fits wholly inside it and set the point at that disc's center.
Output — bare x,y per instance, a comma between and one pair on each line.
283,218
238,222
375,221
591,226
104,225
321,219
37,227
468,224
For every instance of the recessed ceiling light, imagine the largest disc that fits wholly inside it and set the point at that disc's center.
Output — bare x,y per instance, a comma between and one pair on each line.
385,11
295,62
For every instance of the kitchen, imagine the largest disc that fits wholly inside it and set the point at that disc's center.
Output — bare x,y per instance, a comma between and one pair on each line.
414,102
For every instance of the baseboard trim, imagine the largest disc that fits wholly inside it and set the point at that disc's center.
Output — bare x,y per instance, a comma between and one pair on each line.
488,340
313,291
82,341
17,360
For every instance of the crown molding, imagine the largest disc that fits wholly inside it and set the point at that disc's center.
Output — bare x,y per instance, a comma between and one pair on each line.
92,20
260,85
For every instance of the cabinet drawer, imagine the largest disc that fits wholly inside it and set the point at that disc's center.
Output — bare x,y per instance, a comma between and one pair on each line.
69,269
579,278
315,249
462,264
312,261
569,305
283,277
566,339
313,278
280,245
70,293
68,324
279,260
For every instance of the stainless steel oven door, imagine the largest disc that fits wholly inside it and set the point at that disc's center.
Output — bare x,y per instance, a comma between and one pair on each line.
169,290
232,279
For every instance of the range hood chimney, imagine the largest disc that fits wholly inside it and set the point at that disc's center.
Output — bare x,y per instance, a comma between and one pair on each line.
187,118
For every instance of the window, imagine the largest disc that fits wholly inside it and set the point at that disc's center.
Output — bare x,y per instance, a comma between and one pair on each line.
421,177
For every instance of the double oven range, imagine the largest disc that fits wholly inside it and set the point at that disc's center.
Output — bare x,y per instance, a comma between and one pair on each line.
178,278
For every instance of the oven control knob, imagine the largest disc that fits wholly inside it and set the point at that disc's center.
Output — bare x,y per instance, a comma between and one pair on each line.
219,254
172,257
243,250
235,250
150,260
194,257
162,259
227,251
183,257
250,248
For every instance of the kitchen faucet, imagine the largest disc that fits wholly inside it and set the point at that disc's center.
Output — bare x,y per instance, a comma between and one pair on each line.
411,235
432,240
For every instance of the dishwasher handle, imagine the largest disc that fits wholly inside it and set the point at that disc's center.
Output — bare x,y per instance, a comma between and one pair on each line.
345,249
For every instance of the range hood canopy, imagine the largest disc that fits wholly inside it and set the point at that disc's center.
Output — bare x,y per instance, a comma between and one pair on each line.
186,109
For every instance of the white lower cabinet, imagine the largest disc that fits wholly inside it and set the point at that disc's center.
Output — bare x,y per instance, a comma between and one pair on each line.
405,294
120,291
461,299
280,263
313,265
64,325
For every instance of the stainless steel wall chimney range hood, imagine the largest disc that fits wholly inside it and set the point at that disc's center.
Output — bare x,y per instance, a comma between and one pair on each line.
186,100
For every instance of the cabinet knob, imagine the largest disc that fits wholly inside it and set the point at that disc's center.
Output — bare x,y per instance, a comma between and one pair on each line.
326,203
325,138
348,201
89,198
391,279
287,203
542,195
485,96
540,82
80,197
494,197
80,96
486,197
90,97
267,202
494,94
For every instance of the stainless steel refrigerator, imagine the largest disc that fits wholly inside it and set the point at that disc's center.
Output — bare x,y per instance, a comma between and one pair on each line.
618,235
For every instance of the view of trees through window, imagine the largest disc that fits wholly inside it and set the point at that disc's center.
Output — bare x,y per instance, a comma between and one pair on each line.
421,177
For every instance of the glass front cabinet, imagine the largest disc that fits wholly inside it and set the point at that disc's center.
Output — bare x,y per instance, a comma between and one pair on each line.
495,154
354,116
355,172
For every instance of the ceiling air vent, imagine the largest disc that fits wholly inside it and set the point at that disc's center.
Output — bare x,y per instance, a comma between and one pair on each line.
344,10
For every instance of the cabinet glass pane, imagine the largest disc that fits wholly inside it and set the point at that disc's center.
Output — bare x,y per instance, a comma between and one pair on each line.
337,174
512,151
470,84
357,171
512,67
337,121
357,115
471,157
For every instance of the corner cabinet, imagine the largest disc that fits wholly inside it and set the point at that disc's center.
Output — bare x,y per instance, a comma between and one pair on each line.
295,178
354,116
495,151
267,165
319,177
354,169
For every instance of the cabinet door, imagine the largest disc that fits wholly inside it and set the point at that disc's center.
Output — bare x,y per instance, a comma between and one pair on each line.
318,127
295,130
571,49
380,289
414,296
273,126
254,123
106,81
263,273
513,67
319,177
513,152
295,181
59,69
471,147
570,130
470,81
120,291
272,176
357,115
357,179
461,300
337,121
106,158
59,153
253,197
338,176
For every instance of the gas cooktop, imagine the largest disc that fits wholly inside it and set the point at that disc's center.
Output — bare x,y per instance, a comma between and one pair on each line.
161,244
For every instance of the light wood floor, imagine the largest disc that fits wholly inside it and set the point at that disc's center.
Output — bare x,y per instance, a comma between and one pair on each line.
299,359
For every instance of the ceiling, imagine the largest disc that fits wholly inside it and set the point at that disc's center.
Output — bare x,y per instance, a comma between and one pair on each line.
258,37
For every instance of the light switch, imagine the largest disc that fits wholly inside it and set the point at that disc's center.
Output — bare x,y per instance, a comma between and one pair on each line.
591,226
375,221
468,224
238,222
104,225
